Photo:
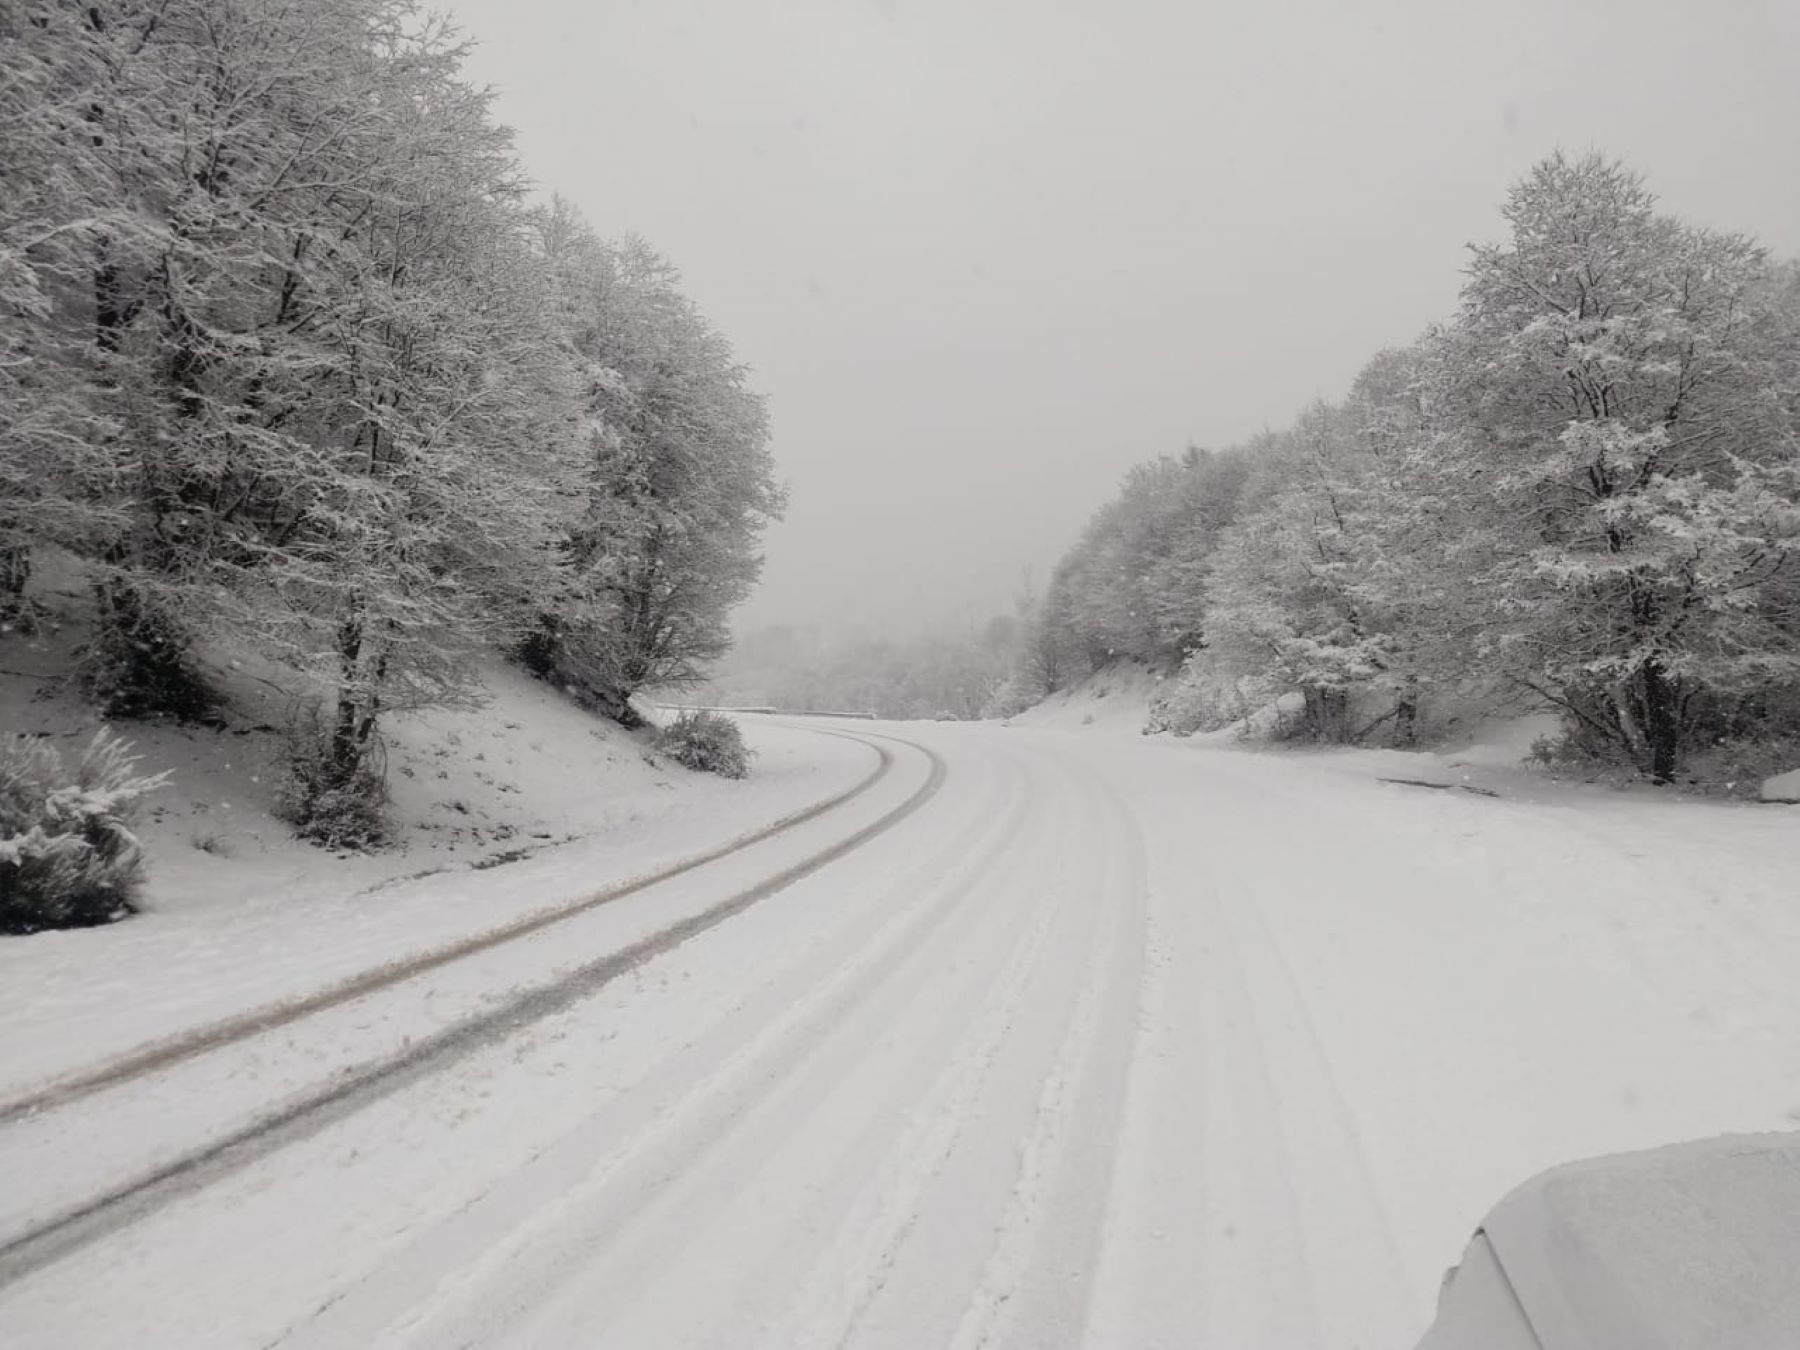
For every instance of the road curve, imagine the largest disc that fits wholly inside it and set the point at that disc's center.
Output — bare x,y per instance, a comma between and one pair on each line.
1105,1043
268,1017
110,1193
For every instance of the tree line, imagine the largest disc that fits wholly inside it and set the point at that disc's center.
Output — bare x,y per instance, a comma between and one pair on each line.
1583,488
293,362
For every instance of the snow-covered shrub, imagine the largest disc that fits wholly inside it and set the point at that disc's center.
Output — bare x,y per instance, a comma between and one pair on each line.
706,742
331,799
1200,699
1010,698
68,858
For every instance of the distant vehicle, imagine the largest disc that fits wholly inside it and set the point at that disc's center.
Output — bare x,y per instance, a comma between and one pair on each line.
1691,1247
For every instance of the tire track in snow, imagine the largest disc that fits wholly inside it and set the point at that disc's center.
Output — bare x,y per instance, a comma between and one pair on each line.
934,1268
471,1244
1366,1289
1037,1284
1117,1306
1266,1236
164,1053
602,1238
1203,1241
986,1204
63,1234
870,1233
1282,1212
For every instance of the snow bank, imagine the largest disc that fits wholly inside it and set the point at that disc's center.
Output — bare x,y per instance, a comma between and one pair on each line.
281,920
525,770
1486,753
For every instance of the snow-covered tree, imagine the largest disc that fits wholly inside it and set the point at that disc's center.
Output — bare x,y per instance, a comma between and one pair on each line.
680,485
242,133
428,451
288,361
1586,485
329,414
1621,387
1303,594
61,215
1202,502
1131,585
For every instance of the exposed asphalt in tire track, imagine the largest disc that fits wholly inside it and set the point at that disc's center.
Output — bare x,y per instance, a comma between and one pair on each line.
50,1241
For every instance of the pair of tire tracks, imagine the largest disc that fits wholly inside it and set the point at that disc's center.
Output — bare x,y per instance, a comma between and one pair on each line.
1048,1220
705,1098
123,1205
1266,997
164,1053
829,1300
1049,1240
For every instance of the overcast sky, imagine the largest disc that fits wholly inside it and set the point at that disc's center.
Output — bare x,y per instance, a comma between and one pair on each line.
985,254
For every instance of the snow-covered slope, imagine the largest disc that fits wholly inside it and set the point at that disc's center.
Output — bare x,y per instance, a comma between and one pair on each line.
499,809
525,769
281,921
1116,698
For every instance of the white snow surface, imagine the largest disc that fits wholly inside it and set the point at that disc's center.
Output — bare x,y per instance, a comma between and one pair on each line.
1115,1041
1115,699
575,802
1782,787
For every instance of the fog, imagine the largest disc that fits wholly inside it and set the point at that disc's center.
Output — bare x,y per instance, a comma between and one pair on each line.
983,257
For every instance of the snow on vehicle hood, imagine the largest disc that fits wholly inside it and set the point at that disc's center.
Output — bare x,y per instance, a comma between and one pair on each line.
1691,1245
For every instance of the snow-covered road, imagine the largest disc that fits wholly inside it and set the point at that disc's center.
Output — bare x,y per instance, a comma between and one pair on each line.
1108,1042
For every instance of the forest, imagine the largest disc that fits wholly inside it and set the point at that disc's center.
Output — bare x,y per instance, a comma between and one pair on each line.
299,366
1580,492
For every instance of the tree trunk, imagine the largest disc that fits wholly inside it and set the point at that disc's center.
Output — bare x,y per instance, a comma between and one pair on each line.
1327,714
1662,721
346,749
15,571
616,704
1406,716
358,706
